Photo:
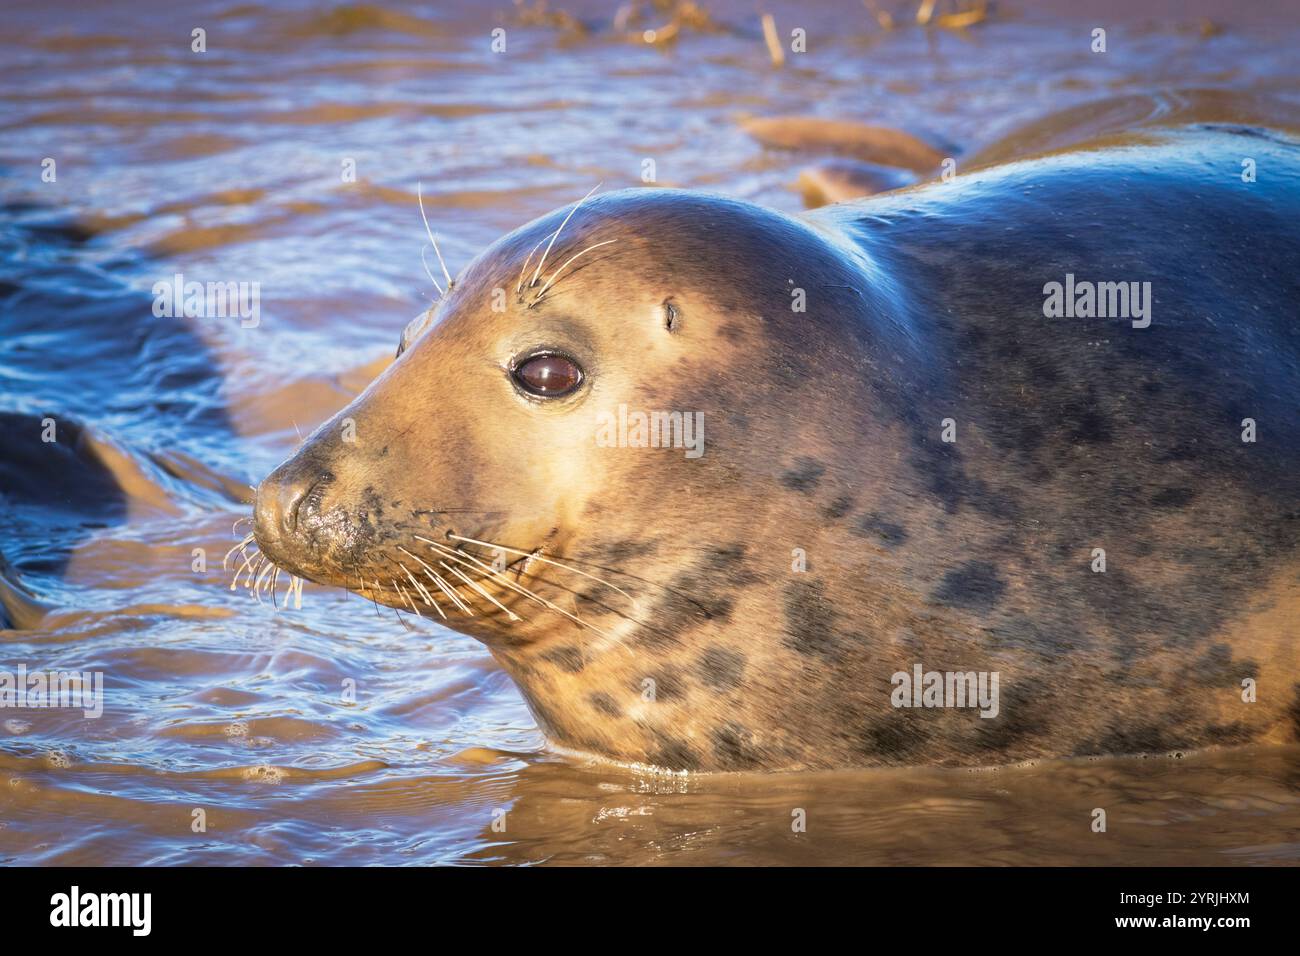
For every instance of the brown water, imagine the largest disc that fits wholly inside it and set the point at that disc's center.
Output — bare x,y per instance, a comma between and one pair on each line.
226,166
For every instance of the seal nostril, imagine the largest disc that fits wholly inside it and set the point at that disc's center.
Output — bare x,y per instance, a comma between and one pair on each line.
291,498
299,499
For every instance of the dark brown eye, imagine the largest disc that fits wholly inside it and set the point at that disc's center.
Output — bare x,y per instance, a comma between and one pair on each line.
547,376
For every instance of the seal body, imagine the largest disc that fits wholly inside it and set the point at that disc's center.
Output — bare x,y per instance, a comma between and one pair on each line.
921,451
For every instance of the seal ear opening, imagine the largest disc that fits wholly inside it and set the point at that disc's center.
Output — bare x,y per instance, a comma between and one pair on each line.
672,315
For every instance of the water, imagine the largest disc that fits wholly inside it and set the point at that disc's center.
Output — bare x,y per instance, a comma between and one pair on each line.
226,166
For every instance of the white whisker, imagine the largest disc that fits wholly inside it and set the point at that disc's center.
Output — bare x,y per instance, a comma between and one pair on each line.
425,263
248,559
520,284
397,586
520,588
267,568
477,587
537,557
433,576
244,543
419,195
295,590
541,262
556,274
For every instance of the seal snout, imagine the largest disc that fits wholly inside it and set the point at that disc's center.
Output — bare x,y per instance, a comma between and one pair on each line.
286,500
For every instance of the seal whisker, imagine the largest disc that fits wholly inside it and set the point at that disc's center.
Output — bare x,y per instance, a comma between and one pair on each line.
464,557
250,571
267,568
521,589
425,263
459,557
424,592
451,593
556,274
534,555
294,590
234,580
477,587
429,572
474,564
419,196
428,598
520,284
555,235
252,577
397,585
433,576
248,559
244,543
489,572
397,612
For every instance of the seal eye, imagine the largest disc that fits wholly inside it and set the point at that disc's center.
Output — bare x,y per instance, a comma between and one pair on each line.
547,375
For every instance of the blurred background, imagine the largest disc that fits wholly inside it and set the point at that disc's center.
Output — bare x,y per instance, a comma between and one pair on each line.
231,165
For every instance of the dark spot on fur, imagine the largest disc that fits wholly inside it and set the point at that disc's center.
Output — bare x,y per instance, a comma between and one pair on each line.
1173,498
1140,739
1018,718
720,667
673,754
1217,668
699,594
1086,425
889,533
975,584
804,476
1228,734
668,684
567,658
939,468
618,553
896,738
733,747
838,508
605,704
809,619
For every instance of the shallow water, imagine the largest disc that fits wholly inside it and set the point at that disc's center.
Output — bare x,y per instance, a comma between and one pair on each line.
226,166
